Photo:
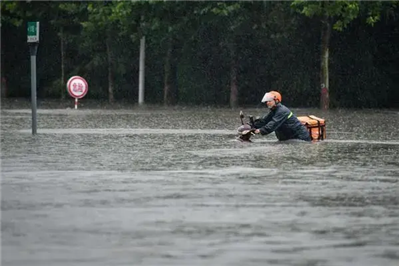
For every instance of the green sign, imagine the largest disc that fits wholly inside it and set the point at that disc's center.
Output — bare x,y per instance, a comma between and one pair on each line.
33,32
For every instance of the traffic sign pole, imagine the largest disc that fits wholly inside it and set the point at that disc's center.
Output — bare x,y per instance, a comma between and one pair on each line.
33,52
33,41
77,87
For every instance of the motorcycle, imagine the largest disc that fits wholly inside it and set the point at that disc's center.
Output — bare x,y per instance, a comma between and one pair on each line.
246,130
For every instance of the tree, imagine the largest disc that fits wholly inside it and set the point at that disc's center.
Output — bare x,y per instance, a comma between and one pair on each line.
165,23
233,17
66,20
336,15
131,19
100,26
11,14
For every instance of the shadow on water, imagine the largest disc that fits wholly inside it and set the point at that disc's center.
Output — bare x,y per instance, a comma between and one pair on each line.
161,186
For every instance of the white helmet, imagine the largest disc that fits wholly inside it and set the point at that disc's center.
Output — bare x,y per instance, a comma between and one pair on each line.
271,95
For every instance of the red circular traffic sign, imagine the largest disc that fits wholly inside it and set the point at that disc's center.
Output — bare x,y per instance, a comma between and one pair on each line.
77,87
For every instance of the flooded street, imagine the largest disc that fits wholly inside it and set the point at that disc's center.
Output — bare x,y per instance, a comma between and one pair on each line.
159,186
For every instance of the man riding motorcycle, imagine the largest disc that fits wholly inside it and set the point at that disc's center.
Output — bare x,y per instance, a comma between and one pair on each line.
279,120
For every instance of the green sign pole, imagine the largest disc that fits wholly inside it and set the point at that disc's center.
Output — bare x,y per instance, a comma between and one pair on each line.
33,41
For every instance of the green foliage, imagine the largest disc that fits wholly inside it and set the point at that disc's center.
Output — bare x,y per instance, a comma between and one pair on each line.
11,13
341,12
344,12
275,43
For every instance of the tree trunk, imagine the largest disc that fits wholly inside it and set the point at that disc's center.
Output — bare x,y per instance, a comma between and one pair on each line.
233,85
324,73
170,90
233,78
110,70
63,84
3,90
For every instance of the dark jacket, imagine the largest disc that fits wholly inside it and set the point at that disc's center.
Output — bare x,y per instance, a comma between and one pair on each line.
284,123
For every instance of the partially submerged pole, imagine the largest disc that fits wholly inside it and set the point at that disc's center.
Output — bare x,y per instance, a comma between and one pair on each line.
33,51
33,41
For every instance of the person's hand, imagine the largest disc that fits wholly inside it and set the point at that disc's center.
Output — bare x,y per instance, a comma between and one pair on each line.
255,131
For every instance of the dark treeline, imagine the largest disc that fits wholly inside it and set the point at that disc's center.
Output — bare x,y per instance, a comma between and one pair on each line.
208,53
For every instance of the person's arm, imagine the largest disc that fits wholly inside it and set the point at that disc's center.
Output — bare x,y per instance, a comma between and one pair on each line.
275,122
263,121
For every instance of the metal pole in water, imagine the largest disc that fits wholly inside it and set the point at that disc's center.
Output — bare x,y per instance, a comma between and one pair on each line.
33,52
33,41
141,71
